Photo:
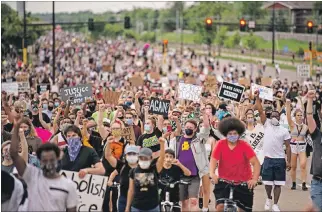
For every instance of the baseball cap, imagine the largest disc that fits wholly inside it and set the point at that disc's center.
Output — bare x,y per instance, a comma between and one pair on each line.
132,148
145,152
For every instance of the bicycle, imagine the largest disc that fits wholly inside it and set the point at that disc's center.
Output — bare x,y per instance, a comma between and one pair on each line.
230,204
167,205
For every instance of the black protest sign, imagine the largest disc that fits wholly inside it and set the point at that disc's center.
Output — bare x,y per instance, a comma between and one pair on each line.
77,94
156,87
158,106
43,88
231,91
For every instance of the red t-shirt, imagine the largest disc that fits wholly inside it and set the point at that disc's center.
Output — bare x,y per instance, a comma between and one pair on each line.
234,164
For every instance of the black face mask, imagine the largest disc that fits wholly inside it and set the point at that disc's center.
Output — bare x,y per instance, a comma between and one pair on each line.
50,108
188,132
268,115
92,108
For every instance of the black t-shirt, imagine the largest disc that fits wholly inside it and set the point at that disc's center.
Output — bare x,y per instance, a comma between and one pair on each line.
36,122
8,127
316,109
85,159
316,165
150,140
146,196
96,143
170,176
124,170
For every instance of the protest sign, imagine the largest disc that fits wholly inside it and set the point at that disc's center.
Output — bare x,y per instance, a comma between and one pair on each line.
23,77
10,87
91,190
319,56
111,97
77,94
231,91
158,106
255,139
244,82
128,134
24,87
189,92
136,81
43,88
156,87
107,68
190,80
155,75
210,83
264,92
303,70
266,81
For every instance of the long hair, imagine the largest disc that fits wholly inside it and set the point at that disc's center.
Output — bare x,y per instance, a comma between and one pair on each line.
28,122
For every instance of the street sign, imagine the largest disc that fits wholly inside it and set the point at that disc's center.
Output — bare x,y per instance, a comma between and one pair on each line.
303,70
251,24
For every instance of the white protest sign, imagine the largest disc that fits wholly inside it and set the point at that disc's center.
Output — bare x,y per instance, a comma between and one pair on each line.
91,190
189,92
255,139
303,70
264,92
24,87
10,87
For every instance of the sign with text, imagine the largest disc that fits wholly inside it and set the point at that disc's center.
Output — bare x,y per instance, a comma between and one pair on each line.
43,88
155,75
158,106
10,87
244,81
77,94
127,133
189,92
210,83
231,91
24,87
91,190
303,70
266,81
264,92
136,81
111,97
156,87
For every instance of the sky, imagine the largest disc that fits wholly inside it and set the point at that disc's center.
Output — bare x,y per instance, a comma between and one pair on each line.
94,6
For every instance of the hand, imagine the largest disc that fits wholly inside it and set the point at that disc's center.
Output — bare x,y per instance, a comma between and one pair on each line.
85,123
127,209
310,94
21,132
175,118
82,173
176,162
138,94
251,184
214,178
109,183
256,93
288,102
161,140
288,165
79,113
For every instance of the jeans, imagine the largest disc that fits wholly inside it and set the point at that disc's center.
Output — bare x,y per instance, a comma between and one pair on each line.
122,204
156,209
316,193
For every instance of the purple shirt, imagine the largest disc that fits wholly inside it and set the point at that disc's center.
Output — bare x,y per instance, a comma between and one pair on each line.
185,155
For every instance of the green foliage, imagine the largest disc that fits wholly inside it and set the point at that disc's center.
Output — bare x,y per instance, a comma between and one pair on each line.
148,37
130,34
221,36
252,9
251,42
113,30
300,52
233,41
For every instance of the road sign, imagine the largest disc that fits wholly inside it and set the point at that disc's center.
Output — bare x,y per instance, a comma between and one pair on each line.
251,24
303,70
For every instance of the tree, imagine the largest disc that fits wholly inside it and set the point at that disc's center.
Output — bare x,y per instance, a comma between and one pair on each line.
281,22
251,41
252,9
221,37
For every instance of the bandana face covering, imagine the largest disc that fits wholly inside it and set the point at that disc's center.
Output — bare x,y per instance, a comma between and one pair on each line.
74,146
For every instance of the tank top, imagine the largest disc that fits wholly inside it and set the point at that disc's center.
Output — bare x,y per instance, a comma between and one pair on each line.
299,130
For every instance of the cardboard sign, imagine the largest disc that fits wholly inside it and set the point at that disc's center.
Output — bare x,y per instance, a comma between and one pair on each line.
111,97
256,140
231,91
266,81
303,70
190,80
244,82
10,87
189,92
24,87
136,81
155,75
43,88
22,77
319,56
158,106
107,68
210,83
91,190
77,94
156,87
264,92
127,133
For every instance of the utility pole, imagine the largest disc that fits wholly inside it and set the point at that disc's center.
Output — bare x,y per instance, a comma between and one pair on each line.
24,42
273,34
54,51
182,25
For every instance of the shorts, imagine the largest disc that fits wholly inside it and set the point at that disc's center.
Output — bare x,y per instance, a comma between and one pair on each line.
316,193
298,147
274,171
191,190
242,195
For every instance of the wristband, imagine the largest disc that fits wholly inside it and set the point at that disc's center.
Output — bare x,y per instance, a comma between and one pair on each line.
309,113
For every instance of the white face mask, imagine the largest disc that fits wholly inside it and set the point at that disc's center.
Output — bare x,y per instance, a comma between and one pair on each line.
144,164
132,159
275,122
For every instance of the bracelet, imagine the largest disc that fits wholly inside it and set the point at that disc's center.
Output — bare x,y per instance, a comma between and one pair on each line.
309,113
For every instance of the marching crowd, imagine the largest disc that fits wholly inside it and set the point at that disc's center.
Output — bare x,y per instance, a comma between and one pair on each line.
212,141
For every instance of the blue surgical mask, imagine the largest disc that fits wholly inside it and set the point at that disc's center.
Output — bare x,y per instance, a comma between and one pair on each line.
56,104
232,138
147,128
45,106
164,129
129,121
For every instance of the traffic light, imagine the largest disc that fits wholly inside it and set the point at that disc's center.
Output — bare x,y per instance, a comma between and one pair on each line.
208,22
165,46
310,27
310,45
127,22
242,25
90,24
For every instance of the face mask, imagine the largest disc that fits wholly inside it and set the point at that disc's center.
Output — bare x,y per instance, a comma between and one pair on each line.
128,104
50,108
147,128
250,120
27,132
232,138
56,104
129,121
121,117
164,129
132,159
91,108
275,122
268,115
45,106
49,169
74,146
144,164
188,132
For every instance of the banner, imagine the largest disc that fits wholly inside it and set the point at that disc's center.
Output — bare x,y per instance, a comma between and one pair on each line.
43,88
158,106
264,92
231,91
24,87
189,92
111,97
255,139
303,70
91,190
77,94
10,88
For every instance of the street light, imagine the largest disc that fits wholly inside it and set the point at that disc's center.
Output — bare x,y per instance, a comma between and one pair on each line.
309,27
242,25
208,22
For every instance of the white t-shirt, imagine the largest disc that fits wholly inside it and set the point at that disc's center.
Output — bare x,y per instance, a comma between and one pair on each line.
274,137
46,194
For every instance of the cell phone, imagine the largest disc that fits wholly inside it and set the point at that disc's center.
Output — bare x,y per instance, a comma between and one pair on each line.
169,128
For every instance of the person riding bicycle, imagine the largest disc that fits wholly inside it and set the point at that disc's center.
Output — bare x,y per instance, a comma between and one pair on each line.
235,158
172,172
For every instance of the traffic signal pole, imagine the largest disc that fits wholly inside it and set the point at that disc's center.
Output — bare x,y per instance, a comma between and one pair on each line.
273,35
54,51
24,41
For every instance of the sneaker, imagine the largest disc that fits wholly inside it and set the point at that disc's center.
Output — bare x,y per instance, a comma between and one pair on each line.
293,186
268,204
275,208
304,188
